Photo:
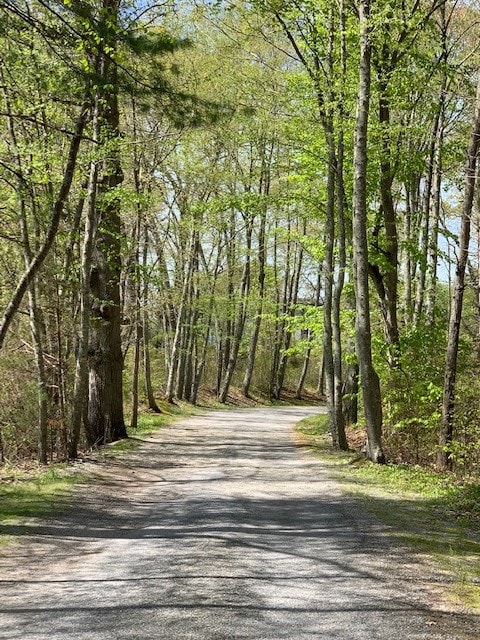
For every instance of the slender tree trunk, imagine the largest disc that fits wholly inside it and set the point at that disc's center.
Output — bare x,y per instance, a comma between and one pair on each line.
350,386
328,270
306,363
279,309
262,255
437,179
311,337
390,277
37,339
177,340
433,243
240,317
426,226
321,378
448,410
136,285
137,331
80,395
372,405
290,304
341,439
200,368
407,261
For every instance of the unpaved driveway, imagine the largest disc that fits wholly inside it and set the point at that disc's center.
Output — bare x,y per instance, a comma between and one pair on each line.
219,527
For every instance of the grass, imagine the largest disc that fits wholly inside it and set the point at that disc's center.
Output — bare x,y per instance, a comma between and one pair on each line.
33,491
433,513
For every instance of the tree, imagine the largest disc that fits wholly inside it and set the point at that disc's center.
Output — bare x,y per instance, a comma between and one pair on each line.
448,406
372,404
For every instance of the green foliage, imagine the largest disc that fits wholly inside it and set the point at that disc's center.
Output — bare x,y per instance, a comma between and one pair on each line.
18,407
412,393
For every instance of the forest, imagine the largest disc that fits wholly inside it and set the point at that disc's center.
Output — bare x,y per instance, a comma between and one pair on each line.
270,198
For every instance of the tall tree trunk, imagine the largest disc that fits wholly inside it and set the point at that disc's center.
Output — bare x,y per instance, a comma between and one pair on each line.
137,319
264,189
175,354
433,240
372,405
105,406
448,409
437,179
42,395
388,290
292,289
426,226
350,386
240,316
147,370
328,271
80,395
341,439
279,308
407,258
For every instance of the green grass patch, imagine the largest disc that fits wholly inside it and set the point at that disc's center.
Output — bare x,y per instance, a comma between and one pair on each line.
34,492
432,512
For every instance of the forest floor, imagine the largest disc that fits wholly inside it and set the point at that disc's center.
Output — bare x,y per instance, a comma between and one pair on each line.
219,526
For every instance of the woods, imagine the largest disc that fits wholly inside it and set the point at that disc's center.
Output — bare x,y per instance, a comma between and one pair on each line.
266,199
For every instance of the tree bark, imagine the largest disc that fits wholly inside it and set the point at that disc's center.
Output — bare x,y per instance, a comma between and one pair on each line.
240,316
106,421
80,395
444,458
264,189
341,438
370,383
177,340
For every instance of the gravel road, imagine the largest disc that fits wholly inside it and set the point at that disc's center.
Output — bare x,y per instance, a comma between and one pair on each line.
218,527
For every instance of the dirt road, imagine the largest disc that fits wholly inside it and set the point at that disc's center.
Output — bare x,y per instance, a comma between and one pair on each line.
219,527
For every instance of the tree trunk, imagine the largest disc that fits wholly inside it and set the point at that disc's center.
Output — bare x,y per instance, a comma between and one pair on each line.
389,288
292,288
262,256
80,395
370,383
147,370
437,180
105,407
175,355
341,438
444,459
350,385
240,317
328,271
